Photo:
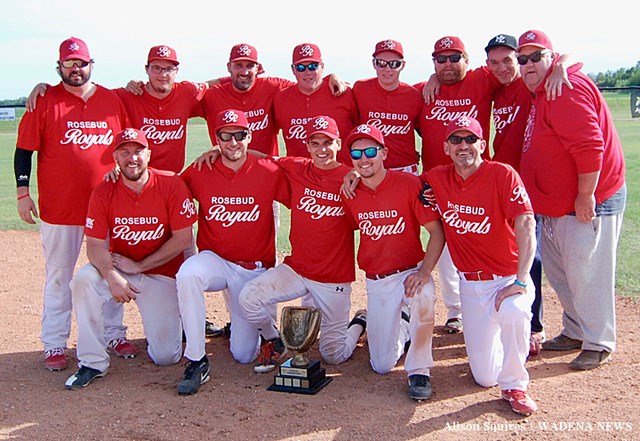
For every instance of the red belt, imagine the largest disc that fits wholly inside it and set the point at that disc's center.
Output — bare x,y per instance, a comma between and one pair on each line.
249,265
477,276
390,273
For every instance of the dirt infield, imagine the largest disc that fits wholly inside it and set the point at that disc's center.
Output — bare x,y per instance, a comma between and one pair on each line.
137,400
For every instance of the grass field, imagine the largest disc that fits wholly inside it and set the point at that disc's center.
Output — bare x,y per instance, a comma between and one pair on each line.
628,279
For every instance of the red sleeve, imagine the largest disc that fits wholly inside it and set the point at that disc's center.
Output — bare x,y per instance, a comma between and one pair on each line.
97,223
182,212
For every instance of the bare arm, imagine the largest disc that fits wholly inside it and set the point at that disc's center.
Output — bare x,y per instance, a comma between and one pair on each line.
38,90
416,281
558,79
585,203
431,89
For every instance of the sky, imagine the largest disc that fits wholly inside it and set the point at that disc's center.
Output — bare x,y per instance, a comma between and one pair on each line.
203,32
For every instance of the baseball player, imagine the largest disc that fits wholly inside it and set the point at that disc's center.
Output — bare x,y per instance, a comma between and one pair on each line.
137,230
322,263
312,95
72,131
489,226
391,105
236,239
388,215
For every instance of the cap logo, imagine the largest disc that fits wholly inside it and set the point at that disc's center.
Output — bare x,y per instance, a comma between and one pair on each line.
129,135
230,117
446,43
363,128
74,47
500,39
306,51
320,124
463,121
244,50
388,44
164,52
530,36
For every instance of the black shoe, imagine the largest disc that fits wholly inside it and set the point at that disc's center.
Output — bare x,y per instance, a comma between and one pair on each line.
83,377
406,316
419,387
359,318
195,375
212,330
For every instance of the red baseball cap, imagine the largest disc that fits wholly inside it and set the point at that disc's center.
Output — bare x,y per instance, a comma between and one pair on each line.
74,49
324,125
388,46
130,135
163,53
464,123
448,44
365,131
246,52
306,52
231,117
535,38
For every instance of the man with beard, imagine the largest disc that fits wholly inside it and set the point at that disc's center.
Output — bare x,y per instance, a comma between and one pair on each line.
137,229
72,130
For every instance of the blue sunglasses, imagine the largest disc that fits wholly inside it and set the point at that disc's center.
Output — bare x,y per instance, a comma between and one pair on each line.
369,152
302,67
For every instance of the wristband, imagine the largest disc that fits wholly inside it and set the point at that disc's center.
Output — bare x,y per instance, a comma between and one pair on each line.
23,196
520,284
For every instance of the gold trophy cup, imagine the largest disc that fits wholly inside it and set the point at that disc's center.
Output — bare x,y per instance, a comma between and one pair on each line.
300,327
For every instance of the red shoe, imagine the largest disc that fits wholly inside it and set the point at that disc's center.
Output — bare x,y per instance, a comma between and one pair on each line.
122,348
521,402
55,360
535,343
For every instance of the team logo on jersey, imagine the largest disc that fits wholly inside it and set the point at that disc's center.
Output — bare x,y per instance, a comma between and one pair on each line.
89,223
363,128
320,123
388,45
306,50
528,131
164,51
188,208
446,43
74,47
130,135
520,195
230,117
244,50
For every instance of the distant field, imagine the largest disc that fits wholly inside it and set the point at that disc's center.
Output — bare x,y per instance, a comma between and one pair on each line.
198,141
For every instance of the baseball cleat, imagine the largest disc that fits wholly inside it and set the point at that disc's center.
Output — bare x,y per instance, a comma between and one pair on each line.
271,353
195,375
122,348
83,377
521,402
419,387
55,359
453,326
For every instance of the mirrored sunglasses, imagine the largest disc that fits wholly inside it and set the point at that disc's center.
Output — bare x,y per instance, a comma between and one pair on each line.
369,152
239,136
302,67
68,64
393,64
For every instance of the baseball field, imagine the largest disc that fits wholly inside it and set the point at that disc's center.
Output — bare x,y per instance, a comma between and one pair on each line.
137,400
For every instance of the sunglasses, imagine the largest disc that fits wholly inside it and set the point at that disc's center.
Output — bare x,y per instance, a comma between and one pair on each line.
470,139
302,67
239,136
534,57
454,58
68,64
158,70
369,152
393,64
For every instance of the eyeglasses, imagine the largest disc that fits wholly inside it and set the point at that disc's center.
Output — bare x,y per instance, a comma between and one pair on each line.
454,58
68,64
369,152
393,64
302,67
239,136
534,57
470,139
154,68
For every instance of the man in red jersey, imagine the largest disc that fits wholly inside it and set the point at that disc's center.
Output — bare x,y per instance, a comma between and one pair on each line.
312,95
388,214
321,265
391,105
236,241
573,167
137,229
490,230
72,131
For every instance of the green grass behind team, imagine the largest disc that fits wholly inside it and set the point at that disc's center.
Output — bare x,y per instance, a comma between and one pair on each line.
628,280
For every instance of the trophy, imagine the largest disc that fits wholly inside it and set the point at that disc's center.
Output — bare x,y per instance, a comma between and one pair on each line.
300,327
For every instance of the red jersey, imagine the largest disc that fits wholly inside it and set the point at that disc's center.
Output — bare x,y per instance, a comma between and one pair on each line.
478,215
256,103
236,209
164,121
293,109
569,136
73,140
137,225
322,246
396,113
472,96
389,220
511,106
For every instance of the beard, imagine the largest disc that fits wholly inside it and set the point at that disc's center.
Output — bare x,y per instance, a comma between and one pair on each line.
75,79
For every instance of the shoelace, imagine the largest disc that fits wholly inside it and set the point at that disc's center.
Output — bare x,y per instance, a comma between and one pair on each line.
53,352
118,341
517,395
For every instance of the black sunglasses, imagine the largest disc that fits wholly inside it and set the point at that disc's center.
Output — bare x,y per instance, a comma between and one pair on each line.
239,136
470,139
369,152
454,58
302,67
534,57
393,64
